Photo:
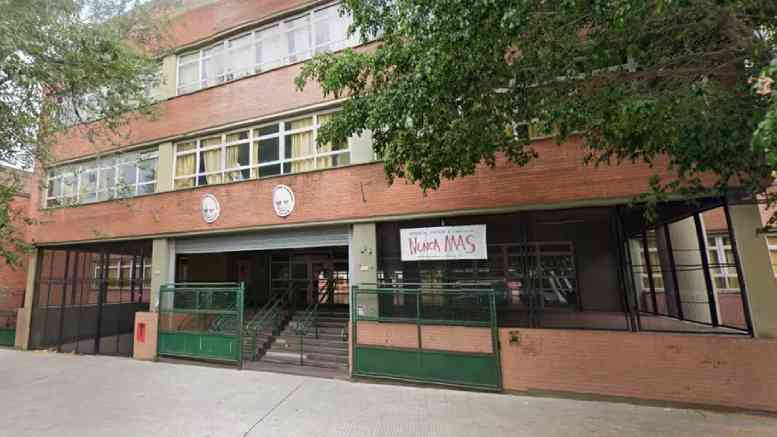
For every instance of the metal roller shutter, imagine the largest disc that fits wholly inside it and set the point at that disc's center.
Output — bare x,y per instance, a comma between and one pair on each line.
266,240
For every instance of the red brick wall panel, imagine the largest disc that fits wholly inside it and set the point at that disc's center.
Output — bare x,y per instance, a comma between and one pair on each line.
14,281
205,21
244,99
344,194
387,334
714,370
456,338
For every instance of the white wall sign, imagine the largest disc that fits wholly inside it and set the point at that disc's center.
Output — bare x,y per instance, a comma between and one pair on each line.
282,200
211,210
445,242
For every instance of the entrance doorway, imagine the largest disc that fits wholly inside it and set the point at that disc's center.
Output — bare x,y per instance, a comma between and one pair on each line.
309,275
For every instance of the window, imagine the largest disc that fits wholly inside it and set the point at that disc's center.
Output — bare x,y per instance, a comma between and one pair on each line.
284,147
213,66
722,263
124,175
292,40
655,265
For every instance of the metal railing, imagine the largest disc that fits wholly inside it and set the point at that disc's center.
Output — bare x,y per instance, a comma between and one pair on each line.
450,307
201,320
310,318
271,313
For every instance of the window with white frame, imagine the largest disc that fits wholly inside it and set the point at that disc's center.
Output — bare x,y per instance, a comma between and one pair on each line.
722,264
281,43
120,274
284,147
105,178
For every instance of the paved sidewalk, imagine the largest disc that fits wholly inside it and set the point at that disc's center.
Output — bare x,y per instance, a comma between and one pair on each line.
44,394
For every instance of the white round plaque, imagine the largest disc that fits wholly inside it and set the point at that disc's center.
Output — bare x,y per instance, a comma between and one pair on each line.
282,200
211,210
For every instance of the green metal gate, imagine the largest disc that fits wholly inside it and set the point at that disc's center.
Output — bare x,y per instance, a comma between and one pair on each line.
391,335
7,327
201,321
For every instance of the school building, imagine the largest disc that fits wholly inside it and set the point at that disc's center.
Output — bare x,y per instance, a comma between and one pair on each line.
224,231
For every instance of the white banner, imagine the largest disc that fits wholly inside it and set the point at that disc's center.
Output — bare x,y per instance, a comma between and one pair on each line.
444,242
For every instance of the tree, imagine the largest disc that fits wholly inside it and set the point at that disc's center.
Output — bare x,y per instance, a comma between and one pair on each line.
64,64
453,84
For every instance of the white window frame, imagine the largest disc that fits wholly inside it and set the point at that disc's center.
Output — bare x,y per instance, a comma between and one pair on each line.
253,137
283,28
722,266
56,175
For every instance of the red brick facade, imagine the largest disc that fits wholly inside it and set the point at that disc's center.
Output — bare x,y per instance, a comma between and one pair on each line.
13,280
689,369
711,370
351,193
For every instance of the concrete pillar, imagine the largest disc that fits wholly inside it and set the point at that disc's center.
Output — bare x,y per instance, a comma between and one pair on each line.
164,179
690,274
160,269
24,315
758,277
363,265
637,267
166,88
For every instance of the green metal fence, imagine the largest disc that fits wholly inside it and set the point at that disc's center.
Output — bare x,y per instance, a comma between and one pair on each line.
201,321
388,351
7,327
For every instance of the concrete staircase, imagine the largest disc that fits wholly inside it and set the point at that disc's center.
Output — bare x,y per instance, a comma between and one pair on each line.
264,339
328,350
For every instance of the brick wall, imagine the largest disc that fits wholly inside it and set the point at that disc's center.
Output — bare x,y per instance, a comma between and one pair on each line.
247,98
13,281
714,370
350,193
447,338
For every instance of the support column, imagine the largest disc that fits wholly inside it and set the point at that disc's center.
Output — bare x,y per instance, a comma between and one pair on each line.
758,279
363,266
637,267
164,179
691,282
160,269
24,315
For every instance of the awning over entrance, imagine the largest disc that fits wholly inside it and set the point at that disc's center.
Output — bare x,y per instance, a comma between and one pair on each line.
266,240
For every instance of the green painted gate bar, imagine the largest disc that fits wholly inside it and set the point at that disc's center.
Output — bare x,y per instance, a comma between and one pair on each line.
473,307
201,321
7,336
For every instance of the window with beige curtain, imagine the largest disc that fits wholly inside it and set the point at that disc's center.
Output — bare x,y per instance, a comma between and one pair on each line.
210,161
238,155
299,145
185,165
331,160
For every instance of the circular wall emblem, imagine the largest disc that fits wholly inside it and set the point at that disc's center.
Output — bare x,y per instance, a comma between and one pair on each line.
282,200
211,210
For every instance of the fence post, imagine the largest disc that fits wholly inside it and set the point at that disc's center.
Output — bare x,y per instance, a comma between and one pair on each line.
496,346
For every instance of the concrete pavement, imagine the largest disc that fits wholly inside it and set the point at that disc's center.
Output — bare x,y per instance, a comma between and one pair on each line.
44,394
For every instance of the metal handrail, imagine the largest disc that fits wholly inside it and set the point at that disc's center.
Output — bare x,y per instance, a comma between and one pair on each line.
310,317
270,312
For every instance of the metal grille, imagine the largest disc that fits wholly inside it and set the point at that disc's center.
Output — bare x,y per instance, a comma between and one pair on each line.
86,298
201,320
